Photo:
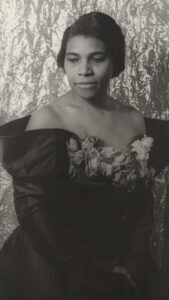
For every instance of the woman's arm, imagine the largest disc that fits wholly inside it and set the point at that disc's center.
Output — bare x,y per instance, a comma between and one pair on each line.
139,232
49,242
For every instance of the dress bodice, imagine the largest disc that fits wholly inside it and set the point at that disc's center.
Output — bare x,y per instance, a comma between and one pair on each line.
58,149
46,161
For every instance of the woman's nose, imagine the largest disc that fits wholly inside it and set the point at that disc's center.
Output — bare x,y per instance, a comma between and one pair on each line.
85,68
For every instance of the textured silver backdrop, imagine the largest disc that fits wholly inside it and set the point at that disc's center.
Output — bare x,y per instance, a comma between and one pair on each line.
30,36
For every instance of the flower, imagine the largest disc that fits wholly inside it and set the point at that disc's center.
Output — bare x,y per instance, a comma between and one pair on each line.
142,147
139,149
106,152
110,160
78,157
72,145
124,167
118,159
147,142
91,153
92,158
89,143
93,167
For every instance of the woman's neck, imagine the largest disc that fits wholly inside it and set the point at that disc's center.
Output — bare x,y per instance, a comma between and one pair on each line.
101,101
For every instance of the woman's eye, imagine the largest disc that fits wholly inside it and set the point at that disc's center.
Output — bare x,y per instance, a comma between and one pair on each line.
72,60
98,59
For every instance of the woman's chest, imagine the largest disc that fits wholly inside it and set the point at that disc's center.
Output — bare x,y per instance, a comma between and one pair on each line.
112,129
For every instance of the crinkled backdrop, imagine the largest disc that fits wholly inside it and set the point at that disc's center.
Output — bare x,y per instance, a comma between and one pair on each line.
30,37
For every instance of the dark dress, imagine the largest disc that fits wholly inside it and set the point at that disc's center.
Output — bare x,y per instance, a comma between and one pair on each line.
76,230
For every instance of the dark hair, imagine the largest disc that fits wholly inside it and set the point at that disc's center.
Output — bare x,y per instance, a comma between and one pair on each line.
102,27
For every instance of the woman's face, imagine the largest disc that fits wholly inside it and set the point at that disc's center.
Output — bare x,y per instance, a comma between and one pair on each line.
88,66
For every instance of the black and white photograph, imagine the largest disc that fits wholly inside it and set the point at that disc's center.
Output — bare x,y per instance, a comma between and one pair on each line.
84,150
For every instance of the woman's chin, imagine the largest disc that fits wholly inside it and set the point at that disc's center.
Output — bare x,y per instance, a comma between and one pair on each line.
86,94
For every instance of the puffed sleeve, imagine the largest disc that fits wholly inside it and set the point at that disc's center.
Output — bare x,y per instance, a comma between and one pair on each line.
37,160
159,155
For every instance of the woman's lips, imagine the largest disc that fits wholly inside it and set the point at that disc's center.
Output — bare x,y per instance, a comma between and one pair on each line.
86,84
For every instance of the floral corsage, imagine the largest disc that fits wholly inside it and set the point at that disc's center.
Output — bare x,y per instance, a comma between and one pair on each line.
124,168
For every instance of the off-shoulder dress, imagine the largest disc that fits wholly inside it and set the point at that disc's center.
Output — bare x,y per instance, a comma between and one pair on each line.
85,215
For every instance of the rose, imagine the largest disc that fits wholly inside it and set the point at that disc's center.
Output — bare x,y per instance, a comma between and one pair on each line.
78,157
143,170
110,160
118,160
106,156
139,149
89,143
91,153
107,152
93,167
92,158
72,145
142,147
147,142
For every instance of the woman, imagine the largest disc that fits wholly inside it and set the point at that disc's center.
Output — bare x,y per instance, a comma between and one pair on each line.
82,169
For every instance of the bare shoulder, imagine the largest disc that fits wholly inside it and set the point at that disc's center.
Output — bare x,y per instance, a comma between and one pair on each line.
132,116
137,120
124,108
45,117
39,119
120,107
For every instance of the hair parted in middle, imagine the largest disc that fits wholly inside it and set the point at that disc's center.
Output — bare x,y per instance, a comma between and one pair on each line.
103,27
